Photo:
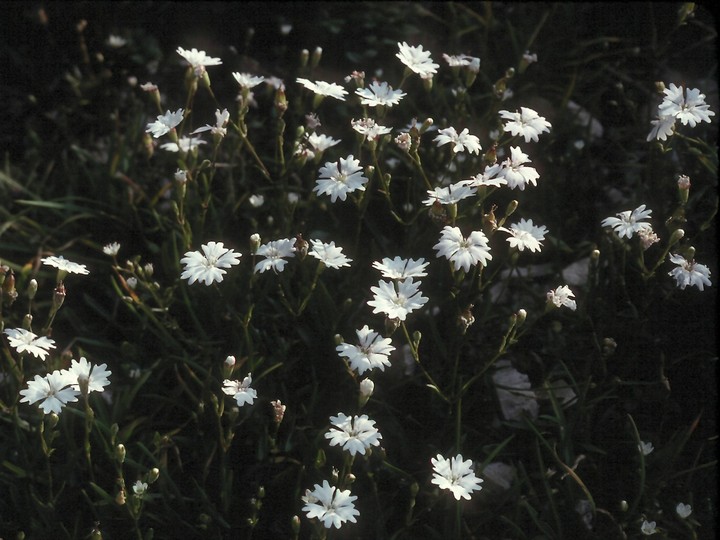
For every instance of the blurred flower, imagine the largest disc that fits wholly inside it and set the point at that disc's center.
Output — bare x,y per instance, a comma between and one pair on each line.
526,123
629,222
689,273
330,505
274,253
461,141
256,201
240,391
514,392
648,527
198,59
354,434
371,352
139,488
369,128
116,42
63,264
25,341
455,475
562,296
339,180
208,266
164,123
330,255
397,303
529,58
689,109
463,252
111,249
525,235
451,194
645,448
320,143
95,375
324,89
398,268
53,390
185,144
379,94
662,128
514,171
462,60
683,510
221,120
246,80
417,60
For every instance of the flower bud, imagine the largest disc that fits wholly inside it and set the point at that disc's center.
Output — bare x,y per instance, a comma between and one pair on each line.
59,296
230,361
675,237
511,207
350,477
315,58
304,57
120,453
27,322
521,316
52,420
254,243
295,525
153,475
32,288
683,183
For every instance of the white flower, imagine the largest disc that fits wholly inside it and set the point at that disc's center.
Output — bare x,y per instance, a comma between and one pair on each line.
320,143
455,475
354,434
629,222
645,448
451,194
256,201
139,488
95,375
116,42
246,80
463,60
25,341
662,128
221,120
397,303
208,266
417,60
339,180
64,265
240,391
164,123
515,172
367,387
198,59
274,253
330,255
689,273
648,527
398,268
525,235
371,352
111,249
683,510
689,109
461,141
368,128
463,252
489,177
562,296
324,89
330,505
53,390
185,144
527,123
379,94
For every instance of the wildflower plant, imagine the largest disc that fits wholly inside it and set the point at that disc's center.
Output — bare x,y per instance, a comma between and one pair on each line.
470,246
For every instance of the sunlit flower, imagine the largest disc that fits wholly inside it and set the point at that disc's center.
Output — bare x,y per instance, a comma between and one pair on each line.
645,448
25,341
629,222
371,352
111,249
208,266
515,172
463,60
683,510
451,194
246,80
354,434
275,253
379,94
526,123
324,89
240,391
489,177
562,296
320,143
95,375
64,265
399,268
164,123
648,527
330,505
199,60
53,391
330,255
525,234
417,60
689,109
398,302
689,273
221,120
662,128
455,475
185,144
463,252
337,180
460,141
369,128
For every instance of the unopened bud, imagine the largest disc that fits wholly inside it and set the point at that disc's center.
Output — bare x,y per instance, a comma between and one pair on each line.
304,57
120,453
27,322
316,56
521,316
52,420
350,478
417,336
295,525
230,361
675,237
367,387
32,288
511,207
683,183
254,242
660,87
595,254
510,73
426,125
59,296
